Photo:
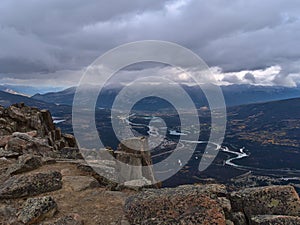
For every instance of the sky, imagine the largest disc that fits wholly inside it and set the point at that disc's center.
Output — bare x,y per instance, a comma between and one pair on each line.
51,42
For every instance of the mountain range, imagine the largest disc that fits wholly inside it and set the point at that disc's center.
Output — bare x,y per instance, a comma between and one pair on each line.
234,95
7,99
277,103
27,90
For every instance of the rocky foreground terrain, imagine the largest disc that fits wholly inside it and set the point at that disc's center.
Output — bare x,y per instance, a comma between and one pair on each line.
45,180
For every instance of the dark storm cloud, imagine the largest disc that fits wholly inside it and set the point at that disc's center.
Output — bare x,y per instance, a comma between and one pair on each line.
250,77
60,34
52,36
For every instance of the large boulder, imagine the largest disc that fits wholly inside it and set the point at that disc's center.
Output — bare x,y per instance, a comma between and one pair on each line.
271,200
35,210
182,205
29,185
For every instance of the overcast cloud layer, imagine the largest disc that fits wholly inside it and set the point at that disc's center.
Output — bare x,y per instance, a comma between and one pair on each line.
52,41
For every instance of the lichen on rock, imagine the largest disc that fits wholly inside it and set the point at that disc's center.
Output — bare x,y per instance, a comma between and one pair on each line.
29,185
35,210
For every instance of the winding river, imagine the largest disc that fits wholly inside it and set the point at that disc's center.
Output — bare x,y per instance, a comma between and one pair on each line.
154,131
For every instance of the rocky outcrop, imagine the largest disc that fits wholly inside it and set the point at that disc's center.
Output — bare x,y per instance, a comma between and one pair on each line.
199,204
32,149
35,210
29,185
135,152
21,118
27,130
131,169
